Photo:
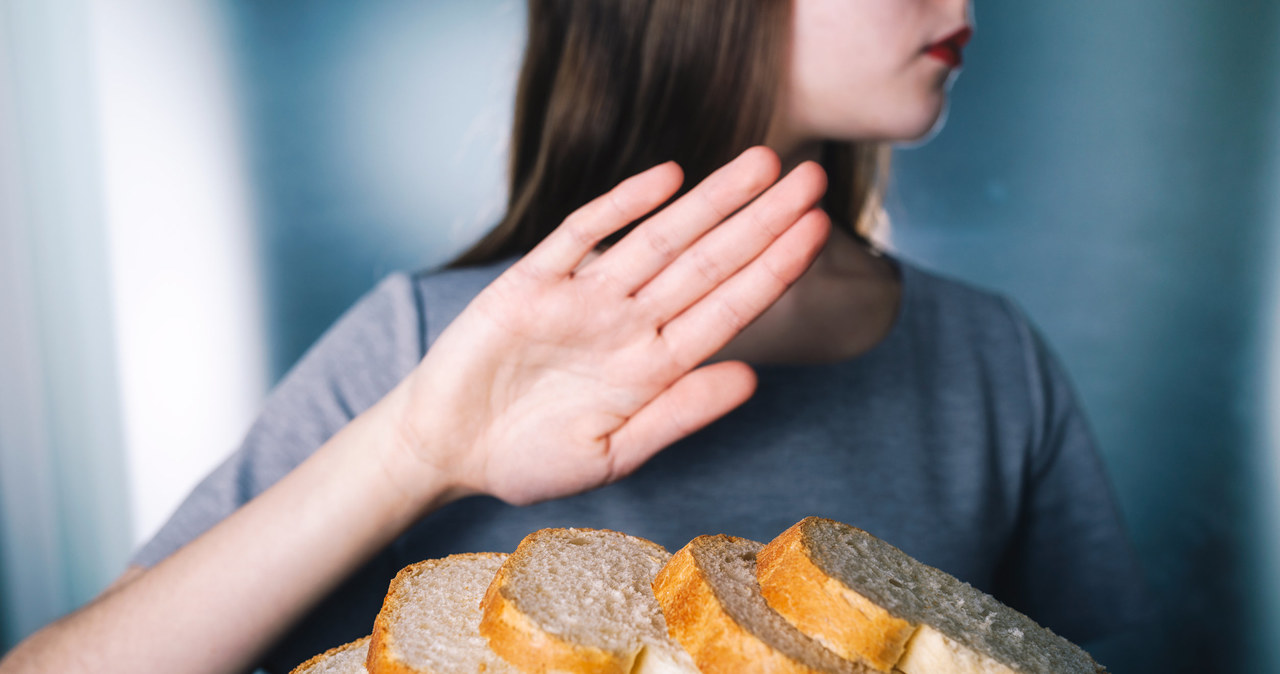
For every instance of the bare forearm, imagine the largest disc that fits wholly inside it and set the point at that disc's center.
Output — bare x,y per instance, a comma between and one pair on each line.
565,374
219,602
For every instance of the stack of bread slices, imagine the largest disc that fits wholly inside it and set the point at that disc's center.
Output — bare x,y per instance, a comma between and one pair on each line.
821,597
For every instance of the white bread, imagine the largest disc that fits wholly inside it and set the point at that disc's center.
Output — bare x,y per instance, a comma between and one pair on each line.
860,596
345,659
713,607
822,597
580,600
430,618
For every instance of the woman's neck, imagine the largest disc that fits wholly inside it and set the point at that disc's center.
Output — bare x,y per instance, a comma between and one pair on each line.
842,307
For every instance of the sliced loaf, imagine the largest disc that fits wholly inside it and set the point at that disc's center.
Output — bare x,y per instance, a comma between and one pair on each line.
345,659
860,596
429,622
580,600
713,607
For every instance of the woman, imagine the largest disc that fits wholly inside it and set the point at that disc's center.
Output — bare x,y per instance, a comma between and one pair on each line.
536,383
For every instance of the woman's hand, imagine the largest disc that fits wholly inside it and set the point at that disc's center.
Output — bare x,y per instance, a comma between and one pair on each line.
569,372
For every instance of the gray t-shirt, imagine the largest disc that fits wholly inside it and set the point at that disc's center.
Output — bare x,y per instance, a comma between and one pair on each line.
957,438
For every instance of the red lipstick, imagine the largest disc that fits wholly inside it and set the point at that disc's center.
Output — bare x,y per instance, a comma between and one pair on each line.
948,49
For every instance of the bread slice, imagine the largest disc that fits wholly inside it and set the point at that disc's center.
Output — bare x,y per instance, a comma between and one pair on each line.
429,622
713,607
580,600
860,596
345,659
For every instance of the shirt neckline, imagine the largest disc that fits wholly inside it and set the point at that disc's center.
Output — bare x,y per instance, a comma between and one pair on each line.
908,279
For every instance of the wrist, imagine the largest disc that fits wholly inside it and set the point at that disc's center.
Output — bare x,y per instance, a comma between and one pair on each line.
416,463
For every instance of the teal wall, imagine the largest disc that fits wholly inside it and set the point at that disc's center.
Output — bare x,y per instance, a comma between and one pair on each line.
377,142
1110,165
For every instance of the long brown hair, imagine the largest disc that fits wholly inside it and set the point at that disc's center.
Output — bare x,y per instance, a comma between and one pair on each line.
610,88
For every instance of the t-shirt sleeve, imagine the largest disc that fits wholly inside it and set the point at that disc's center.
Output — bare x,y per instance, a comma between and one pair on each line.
374,345
1070,561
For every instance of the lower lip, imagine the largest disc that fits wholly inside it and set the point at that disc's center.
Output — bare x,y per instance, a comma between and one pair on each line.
947,54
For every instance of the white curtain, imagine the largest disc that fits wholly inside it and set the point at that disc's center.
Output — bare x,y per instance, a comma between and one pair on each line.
63,490
130,343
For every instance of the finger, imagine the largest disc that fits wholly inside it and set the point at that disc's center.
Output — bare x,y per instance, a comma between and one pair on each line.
643,253
561,251
729,247
693,401
708,325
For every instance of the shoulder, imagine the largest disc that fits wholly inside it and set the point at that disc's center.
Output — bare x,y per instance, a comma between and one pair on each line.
956,321
1007,355
383,335
379,333
940,300
975,337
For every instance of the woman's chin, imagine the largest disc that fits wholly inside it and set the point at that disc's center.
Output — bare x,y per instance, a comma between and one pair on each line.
903,125
911,124
922,129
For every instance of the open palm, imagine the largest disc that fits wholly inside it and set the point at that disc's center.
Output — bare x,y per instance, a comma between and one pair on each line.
568,372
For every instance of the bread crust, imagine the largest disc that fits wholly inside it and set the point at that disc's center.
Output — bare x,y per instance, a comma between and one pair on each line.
524,644
302,668
381,659
697,620
823,608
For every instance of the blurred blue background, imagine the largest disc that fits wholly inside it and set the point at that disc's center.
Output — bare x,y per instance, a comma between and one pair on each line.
1112,166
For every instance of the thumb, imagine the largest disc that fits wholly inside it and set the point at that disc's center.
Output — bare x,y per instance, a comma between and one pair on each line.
693,401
